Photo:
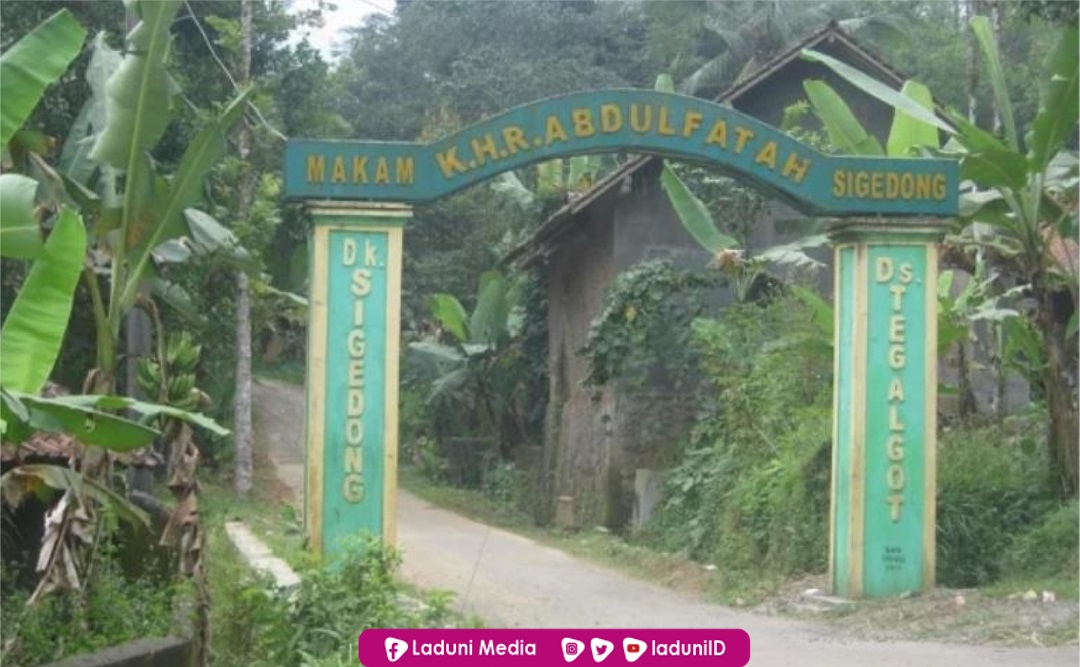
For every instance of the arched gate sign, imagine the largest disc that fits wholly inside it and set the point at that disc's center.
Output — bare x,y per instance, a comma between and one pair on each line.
885,392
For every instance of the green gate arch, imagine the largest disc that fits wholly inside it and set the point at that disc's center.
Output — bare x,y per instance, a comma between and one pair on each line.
607,121
881,534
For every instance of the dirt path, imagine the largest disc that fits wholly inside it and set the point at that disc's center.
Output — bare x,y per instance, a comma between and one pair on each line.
511,581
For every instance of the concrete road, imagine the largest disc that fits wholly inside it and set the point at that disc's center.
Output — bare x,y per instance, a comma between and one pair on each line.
511,581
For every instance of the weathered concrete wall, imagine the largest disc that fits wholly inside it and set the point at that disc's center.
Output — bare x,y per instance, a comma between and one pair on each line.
156,652
578,429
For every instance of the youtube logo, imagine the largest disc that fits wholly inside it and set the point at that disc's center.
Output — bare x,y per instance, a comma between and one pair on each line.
633,649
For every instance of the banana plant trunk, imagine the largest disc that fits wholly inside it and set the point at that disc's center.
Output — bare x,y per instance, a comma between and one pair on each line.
1063,438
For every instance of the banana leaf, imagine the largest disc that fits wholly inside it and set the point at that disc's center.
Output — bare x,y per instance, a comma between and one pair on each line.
148,411
984,34
34,329
20,231
1058,101
32,64
28,478
451,315
875,88
907,132
845,131
693,214
77,416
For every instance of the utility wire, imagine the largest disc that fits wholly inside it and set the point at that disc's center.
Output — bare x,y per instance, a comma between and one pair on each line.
236,87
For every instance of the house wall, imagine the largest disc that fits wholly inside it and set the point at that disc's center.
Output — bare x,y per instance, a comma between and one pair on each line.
577,430
596,441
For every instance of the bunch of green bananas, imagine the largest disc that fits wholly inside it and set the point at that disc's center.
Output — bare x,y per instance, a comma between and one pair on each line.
181,358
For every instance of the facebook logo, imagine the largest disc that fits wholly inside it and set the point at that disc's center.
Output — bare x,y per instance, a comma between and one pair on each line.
395,648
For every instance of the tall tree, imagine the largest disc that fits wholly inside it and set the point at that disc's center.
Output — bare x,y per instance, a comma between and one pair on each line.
245,190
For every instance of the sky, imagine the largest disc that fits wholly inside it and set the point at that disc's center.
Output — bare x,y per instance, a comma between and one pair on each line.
348,13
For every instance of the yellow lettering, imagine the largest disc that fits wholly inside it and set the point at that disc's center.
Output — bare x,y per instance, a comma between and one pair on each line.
896,390
514,138
862,184
382,172
583,123
877,185
796,169
837,183
348,252
640,117
691,122
742,135
718,134
369,254
907,186
907,272
939,186
892,186
922,186
554,131
767,155
359,169
316,168
484,149
338,175
352,488
610,118
663,126
449,162
405,170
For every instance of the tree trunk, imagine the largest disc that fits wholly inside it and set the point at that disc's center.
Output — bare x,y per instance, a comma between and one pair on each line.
242,405
972,79
1062,439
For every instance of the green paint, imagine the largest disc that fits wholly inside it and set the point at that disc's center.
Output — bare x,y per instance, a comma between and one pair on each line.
894,534
841,509
357,275
608,121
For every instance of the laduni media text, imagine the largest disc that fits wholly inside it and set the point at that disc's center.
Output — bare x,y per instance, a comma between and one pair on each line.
482,647
569,647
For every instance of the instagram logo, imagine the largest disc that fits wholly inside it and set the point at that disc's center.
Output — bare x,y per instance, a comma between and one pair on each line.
571,649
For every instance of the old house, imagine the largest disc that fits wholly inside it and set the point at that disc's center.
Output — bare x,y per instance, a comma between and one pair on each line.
596,456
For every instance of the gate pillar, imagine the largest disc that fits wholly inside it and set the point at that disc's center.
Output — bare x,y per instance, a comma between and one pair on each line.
881,532
354,320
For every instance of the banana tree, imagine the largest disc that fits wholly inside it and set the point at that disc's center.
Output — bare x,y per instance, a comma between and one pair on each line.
475,367
1020,209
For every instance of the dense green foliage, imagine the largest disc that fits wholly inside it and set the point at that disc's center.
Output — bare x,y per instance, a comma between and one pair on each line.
751,491
117,609
320,620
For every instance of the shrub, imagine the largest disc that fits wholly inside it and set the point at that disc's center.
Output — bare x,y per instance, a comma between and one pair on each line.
991,487
321,619
751,492
1047,549
114,610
